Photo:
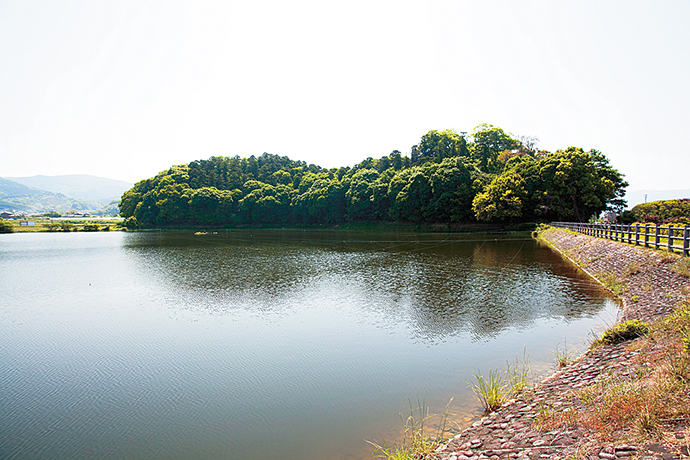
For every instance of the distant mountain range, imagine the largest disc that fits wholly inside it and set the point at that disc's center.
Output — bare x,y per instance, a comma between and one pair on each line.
79,192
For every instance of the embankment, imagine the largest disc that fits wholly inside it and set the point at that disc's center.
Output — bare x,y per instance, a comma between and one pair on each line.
651,285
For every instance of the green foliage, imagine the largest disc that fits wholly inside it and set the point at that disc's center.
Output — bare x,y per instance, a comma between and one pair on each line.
662,212
493,178
626,330
491,391
131,223
579,184
489,142
436,146
6,226
61,226
502,200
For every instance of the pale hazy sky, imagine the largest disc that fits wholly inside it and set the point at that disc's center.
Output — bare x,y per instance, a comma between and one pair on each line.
125,89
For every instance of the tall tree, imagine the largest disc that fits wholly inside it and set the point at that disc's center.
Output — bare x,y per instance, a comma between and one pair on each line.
438,145
488,143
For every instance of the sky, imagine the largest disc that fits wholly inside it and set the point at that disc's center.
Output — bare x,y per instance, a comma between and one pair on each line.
125,89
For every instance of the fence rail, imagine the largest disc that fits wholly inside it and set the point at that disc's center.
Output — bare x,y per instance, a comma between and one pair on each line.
650,236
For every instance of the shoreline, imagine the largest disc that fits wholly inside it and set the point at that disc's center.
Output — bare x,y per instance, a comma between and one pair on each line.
649,290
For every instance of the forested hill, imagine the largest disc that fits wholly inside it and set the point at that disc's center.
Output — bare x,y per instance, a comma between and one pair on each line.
489,176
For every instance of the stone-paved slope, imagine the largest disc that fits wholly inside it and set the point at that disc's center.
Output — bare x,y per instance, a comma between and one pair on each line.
649,288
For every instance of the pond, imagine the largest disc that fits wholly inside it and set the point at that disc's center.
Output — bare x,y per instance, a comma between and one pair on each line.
256,344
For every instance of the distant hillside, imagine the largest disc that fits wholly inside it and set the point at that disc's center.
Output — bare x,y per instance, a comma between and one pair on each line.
638,196
22,198
80,186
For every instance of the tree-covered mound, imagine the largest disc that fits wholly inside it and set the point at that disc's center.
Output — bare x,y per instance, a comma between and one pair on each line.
660,212
488,176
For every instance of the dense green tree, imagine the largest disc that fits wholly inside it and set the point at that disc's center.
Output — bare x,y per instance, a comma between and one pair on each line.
488,142
359,194
437,145
412,203
578,184
502,200
323,202
452,193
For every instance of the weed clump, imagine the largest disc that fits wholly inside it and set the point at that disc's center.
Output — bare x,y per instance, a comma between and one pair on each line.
682,267
645,404
494,390
621,332
563,357
417,442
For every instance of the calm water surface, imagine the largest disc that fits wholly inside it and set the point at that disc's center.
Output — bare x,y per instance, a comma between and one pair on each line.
265,343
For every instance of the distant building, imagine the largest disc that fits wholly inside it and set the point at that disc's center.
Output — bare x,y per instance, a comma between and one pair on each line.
7,215
610,217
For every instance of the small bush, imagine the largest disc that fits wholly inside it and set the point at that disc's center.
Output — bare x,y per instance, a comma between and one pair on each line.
627,330
6,227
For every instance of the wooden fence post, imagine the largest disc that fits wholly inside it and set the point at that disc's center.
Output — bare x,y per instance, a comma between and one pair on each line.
686,241
669,245
637,234
657,237
646,236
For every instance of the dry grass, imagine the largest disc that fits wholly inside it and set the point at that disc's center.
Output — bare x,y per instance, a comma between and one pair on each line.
645,405
682,267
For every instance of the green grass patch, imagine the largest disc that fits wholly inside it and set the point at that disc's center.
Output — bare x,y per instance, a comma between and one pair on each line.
621,332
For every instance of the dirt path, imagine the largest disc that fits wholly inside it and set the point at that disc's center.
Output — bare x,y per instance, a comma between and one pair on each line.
649,288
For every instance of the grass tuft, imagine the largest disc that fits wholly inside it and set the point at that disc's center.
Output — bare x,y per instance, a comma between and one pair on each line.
417,442
494,390
563,357
626,330
491,391
518,373
682,267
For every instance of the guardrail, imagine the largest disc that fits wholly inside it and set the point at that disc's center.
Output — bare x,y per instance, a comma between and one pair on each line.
650,236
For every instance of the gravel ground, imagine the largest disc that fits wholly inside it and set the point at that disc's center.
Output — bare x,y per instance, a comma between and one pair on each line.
649,288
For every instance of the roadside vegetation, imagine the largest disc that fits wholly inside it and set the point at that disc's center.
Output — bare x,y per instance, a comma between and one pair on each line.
659,212
649,403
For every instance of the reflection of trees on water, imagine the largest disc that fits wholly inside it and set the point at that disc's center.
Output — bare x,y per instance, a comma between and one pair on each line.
483,294
482,286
